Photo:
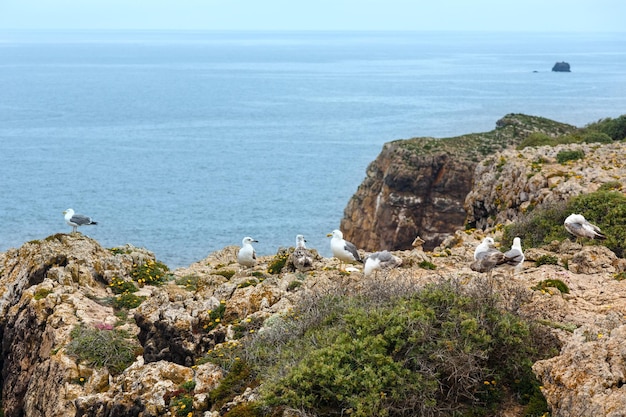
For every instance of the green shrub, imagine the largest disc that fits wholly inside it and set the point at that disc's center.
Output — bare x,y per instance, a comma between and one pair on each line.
128,301
427,265
277,264
547,260
569,155
444,350
120,286
190,282
554,283
42,293
606,209
537,139
235,382
227,273
112,349
215,317
614,128
596,137
150,273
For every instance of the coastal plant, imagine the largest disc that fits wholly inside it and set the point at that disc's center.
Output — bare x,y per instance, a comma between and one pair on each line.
181,400
127,301
42,293
614,128
239,377
547,260
278,263
150,272
442,350
114,349
569,155
190,282
215,317
227,273
121,286
552,283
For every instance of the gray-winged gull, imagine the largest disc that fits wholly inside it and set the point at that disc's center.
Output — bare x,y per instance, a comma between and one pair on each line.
487,257
380,260
246,255
302,258
577,225
76,220
515,255
342,249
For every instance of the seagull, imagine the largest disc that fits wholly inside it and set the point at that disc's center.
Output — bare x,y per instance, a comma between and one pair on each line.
342,249
487,257
515,256
380,260
483,247
577,225
76,220
246,255
302,258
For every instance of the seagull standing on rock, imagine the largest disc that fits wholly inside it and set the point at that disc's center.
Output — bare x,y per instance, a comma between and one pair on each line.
380,260
302,258
76,220
247,255
577,225
342,249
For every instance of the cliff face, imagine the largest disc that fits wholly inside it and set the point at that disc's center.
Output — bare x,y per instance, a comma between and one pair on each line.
405,195
417,187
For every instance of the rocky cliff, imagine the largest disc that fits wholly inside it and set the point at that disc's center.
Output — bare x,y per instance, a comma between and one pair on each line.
417,187
65,282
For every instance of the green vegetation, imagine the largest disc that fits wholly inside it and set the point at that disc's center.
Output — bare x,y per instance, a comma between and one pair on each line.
215,317
569,155
190,282
443,350
120,286
127,301
111,348
181,400
427,265
554,283
227,273
547,260
614,128
606,209
150,272
278,263
42,293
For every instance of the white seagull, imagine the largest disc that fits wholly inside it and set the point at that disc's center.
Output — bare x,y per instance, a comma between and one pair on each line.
246,255
342,249
577,225
76,220
301,258
483,247
515,255
380,260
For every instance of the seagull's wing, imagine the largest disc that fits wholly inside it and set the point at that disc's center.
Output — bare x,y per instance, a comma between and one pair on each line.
353,250
81,220
514,257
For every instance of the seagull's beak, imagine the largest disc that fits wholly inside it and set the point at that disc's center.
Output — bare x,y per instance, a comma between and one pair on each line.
65,212
329,235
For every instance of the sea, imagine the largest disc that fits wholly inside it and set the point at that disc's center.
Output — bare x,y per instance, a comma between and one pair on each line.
184,142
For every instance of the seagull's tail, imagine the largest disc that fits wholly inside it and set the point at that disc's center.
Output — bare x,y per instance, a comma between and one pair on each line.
599,236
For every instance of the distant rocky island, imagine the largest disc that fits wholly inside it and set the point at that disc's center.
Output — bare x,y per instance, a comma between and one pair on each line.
561,67
106,332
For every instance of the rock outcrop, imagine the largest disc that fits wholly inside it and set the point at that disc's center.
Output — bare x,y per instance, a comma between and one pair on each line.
417,187
561,67
512,182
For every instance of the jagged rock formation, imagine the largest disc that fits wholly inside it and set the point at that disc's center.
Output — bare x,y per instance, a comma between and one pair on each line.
561,67
417,187
512,182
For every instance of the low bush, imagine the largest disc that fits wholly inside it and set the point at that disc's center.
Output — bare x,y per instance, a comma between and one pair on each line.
605,209
113,349
443,350
569,155
150,273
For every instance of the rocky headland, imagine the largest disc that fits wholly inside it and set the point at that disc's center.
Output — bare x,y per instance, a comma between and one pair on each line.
159,325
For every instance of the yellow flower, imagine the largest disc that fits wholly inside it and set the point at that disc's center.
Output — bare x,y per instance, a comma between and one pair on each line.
182,407
217,320
600,335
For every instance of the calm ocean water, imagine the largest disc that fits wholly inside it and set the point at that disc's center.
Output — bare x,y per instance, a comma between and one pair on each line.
185,142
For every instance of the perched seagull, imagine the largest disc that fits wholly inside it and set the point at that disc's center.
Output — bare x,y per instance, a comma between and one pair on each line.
487,257
483,247
246,255
342,249
579,227
380,260
76,220
302,258
515,256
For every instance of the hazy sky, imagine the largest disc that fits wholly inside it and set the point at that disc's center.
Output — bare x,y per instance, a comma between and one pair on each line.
534,15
